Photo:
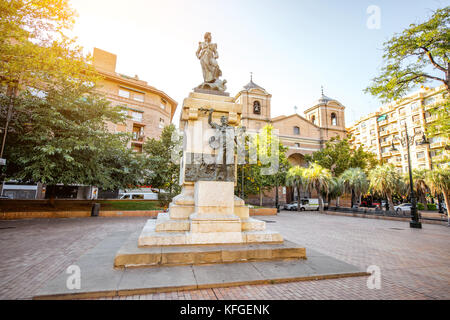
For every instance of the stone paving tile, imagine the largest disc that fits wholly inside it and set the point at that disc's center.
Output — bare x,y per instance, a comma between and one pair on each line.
415,264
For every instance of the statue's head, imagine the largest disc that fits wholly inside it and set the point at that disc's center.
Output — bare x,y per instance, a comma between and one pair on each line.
223,120
208,37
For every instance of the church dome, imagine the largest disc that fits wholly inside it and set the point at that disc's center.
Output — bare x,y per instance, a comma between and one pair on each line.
323,100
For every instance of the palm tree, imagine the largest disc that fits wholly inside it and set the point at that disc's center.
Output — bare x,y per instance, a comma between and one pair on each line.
318,178
420,185
385,180
439,181
296,178
335,190
355,182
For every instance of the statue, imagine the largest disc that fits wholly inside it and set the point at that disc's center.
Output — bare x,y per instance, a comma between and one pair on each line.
207,53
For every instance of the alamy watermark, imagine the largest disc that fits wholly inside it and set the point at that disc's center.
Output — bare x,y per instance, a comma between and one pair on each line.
374,19
374,280
228,145
74,280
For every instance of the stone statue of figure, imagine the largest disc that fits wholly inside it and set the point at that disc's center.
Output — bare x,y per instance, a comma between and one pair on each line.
207,53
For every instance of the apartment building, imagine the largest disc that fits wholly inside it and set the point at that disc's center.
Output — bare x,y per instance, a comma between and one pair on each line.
149,109
379,131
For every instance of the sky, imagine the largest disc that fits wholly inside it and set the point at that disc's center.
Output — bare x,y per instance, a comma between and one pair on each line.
293,47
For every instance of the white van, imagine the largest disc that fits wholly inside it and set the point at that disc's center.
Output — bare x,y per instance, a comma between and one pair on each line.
139,196
309,204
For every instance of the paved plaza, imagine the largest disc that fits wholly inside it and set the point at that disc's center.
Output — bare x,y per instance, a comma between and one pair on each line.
414,264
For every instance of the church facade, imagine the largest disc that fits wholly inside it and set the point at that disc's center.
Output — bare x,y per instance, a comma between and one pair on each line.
302,134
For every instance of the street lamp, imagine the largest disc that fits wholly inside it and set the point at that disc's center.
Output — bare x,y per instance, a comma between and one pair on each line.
408,141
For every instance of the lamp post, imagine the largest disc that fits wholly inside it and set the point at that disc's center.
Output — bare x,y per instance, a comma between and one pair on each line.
408,141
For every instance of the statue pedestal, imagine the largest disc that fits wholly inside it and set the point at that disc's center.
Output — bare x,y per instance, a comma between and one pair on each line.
206,211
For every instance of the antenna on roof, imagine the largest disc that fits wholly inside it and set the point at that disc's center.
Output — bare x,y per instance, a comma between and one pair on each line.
295,108
321,88
251,76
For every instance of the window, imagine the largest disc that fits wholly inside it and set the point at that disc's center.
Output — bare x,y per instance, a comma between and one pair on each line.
297,145
417,131
420,155
373,142
414,106
429,101
124,93
296,130
333,119
416,118
402,111
313,119
161,123
163,104
136,116
256,107
138,97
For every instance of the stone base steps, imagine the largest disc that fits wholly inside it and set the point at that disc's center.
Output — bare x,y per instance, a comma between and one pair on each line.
166,232
129,255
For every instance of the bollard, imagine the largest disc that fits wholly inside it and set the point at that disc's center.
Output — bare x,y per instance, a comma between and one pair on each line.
95,210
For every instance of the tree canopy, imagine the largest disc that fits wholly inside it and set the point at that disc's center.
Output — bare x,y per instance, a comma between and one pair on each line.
338,156
163,169
415,56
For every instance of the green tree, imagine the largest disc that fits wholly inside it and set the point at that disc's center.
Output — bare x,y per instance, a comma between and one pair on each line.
338,156
162,160
35,48
295,177
318,178
439,181
335,190
420,185
61,137
355,182
258,177
416,56
385,180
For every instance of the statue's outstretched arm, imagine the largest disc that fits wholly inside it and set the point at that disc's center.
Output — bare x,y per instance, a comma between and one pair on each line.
212,124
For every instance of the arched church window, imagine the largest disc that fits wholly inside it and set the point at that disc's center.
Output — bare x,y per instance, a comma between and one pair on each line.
296,130
256,107
313,119
333,119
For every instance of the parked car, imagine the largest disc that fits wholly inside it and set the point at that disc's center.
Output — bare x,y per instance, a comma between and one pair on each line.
403,208
290,206
139,196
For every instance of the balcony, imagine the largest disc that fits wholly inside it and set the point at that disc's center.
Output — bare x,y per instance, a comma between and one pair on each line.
386,143
393,130
439,144
384,133
395,153
383,123
440,158
431,118
137,137
386,154
391,120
